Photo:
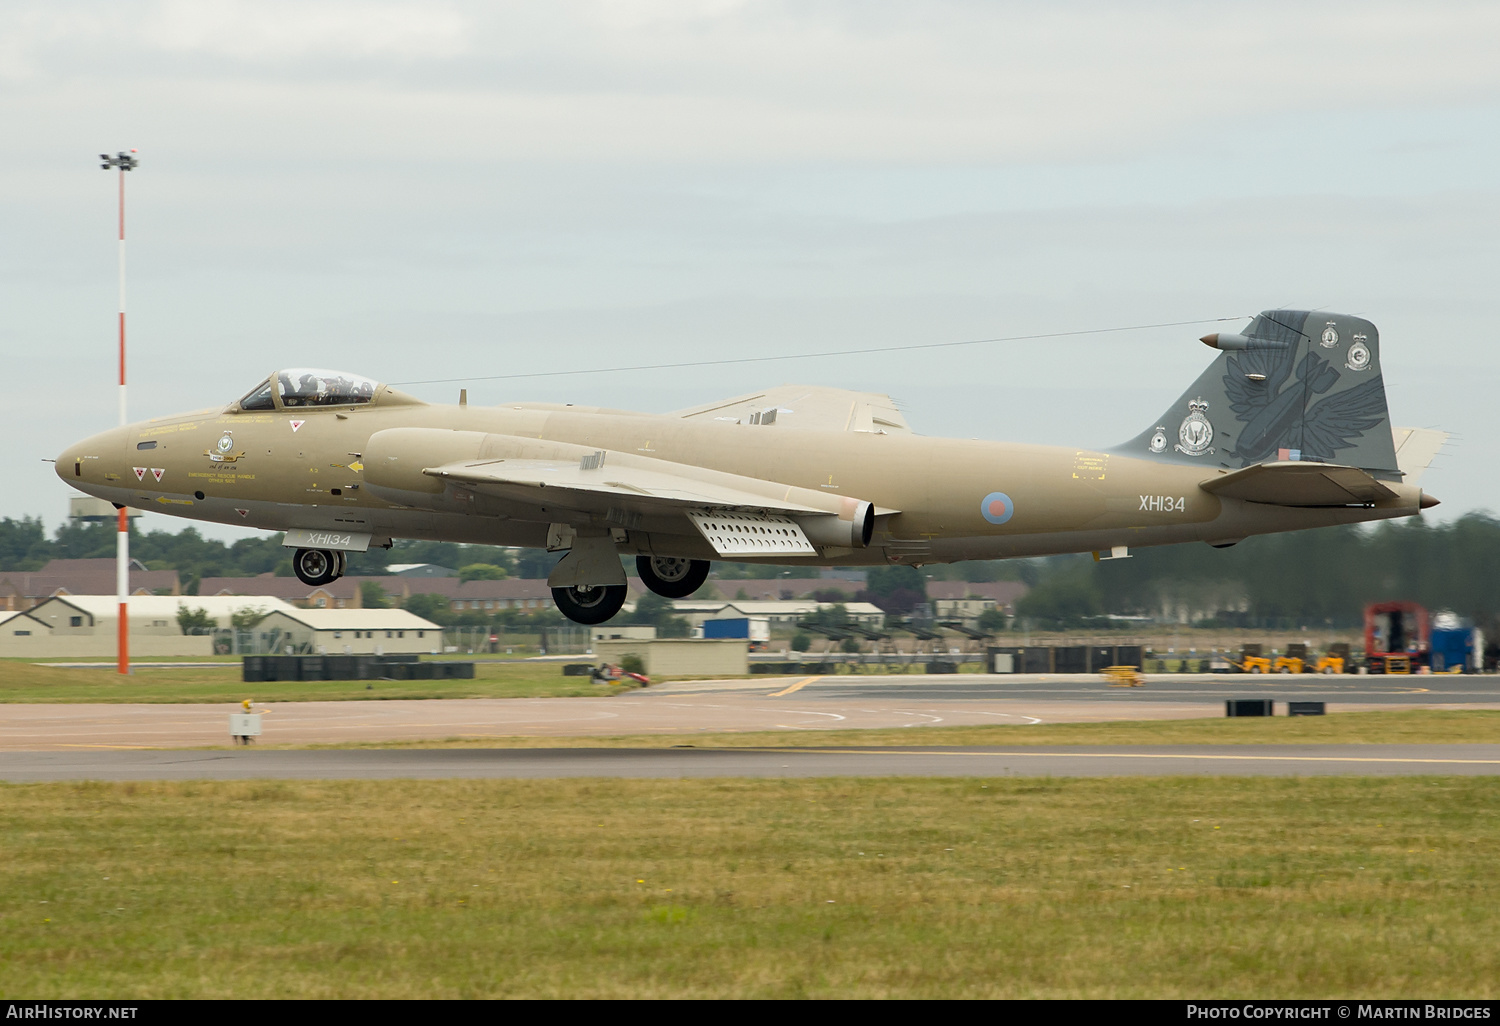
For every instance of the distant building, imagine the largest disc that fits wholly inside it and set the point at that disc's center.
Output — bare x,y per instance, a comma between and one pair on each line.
343,593
609,632
22,634
966,600
89,510
523,594
24,589
87,625
777,589
358,631
783,612
855,577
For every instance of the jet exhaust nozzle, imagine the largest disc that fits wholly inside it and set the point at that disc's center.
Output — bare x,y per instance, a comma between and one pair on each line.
850,529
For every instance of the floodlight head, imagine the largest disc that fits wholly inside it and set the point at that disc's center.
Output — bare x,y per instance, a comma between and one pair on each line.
123,161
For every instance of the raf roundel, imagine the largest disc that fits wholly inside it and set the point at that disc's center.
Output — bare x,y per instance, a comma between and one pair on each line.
997,507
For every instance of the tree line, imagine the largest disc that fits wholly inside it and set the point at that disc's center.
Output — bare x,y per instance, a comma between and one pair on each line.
24,545
1305,578
1320,577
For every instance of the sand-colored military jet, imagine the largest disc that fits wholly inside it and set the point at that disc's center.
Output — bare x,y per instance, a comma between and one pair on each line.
1287,429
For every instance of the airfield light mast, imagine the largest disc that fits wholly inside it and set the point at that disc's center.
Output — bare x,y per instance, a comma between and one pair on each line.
124,162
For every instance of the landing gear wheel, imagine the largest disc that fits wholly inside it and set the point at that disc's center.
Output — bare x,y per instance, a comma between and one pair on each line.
316,566
670,576
589,604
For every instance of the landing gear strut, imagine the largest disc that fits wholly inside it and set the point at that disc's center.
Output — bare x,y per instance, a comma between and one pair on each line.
589,604
670,576
317,566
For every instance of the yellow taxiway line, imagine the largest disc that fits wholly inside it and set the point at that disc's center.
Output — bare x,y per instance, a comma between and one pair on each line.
795,687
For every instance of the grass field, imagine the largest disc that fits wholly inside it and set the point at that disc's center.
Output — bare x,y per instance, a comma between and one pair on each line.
24,681
1226,887
1395,726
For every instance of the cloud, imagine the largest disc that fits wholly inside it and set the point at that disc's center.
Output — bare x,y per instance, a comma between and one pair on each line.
275,30
758,81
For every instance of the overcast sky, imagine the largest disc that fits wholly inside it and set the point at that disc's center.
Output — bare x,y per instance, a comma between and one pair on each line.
434,190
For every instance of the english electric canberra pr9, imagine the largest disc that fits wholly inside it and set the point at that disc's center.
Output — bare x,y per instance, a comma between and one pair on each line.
1287,429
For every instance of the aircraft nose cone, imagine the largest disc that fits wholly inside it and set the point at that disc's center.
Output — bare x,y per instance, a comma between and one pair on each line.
85,464
1212,341
70,460
1428,501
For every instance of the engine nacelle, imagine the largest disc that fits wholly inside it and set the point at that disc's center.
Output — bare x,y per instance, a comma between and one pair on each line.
851,528
395,458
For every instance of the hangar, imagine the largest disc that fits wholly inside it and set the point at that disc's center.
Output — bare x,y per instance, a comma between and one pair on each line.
354,631
87,625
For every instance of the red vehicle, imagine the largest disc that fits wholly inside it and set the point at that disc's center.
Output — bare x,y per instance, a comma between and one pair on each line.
1397,637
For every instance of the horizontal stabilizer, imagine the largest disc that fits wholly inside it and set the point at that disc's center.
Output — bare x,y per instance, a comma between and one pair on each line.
1298,483
1415,450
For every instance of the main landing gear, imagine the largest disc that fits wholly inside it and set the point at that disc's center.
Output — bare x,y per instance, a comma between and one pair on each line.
671,576
589,603
317,566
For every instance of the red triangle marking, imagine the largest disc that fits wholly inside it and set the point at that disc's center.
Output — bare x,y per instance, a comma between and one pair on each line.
297,423
243,512
140,473
157,472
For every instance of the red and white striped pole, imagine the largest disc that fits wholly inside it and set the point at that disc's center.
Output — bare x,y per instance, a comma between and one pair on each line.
125,162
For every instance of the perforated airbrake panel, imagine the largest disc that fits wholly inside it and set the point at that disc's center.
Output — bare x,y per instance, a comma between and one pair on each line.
752,534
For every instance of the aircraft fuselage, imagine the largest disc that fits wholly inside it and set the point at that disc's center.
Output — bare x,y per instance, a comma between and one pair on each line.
312,468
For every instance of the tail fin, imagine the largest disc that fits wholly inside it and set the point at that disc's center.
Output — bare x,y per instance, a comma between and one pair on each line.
1296,385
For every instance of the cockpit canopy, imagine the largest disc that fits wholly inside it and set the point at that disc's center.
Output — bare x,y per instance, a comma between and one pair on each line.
305,387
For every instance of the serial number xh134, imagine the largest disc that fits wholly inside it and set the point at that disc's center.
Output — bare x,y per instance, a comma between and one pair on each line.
1287,429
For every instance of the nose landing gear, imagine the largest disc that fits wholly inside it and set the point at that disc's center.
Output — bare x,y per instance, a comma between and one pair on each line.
317,566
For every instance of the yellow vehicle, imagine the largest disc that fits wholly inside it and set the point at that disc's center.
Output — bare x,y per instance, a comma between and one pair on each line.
1295,660
1123,676
1251,661
1336,659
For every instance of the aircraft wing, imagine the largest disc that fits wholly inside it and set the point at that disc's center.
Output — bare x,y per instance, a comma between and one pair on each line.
537,480
1298,483
581,486
738,516
808,408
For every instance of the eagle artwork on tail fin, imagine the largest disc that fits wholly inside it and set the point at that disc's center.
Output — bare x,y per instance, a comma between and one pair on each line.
1271,409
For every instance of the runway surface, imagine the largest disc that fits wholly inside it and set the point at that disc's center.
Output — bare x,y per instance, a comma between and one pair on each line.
764,704
759,704
514,763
